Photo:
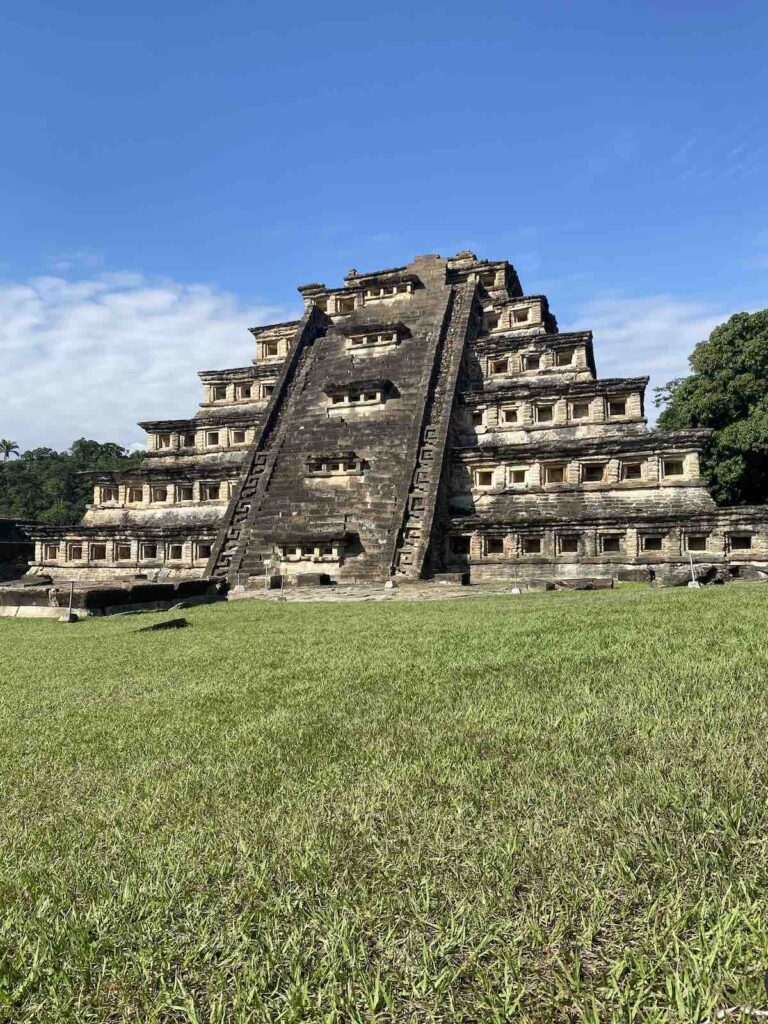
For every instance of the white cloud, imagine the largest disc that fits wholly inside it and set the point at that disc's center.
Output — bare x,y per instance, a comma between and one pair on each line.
653,335
91,357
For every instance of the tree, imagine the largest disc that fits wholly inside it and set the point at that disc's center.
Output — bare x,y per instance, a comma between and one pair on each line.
8,448
93,453
54,487
727,391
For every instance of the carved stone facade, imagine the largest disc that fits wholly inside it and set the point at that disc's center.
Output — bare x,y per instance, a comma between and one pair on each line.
416,420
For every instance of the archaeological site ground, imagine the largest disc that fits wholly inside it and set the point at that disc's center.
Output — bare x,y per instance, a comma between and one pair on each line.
547,809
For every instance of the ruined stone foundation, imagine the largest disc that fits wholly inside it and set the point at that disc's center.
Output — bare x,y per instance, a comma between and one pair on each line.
418,420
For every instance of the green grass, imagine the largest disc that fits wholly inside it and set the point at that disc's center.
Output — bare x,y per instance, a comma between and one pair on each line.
548,808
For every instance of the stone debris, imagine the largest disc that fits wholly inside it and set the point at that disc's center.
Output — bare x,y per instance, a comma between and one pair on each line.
179,623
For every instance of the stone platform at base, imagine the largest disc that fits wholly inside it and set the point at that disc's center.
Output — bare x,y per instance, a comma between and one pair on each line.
439,588
35,599
413,590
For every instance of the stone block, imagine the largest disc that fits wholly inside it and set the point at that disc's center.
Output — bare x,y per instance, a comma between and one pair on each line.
310,579
180,623
585,583
538,584
457,578
148,593
749,573
192,588
96,598
680,575
641,574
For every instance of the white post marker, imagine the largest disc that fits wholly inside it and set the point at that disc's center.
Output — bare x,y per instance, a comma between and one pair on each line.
694,584
70,617
516,590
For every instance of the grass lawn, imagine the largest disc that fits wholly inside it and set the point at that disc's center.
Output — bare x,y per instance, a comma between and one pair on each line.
548,808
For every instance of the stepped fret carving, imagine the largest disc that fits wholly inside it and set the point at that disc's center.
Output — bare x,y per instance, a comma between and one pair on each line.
414,535
227,557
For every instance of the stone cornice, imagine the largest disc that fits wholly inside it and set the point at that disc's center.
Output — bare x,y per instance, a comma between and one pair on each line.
76,531
555,386
254,372
514,338
651,442
360,384
285,326
192,470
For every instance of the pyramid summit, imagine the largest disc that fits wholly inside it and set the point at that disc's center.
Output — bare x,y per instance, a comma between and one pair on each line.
419,420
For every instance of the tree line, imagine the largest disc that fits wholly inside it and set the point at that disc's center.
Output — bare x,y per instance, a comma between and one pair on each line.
50,486
727,391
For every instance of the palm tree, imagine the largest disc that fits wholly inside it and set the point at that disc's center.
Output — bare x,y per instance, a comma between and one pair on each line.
8,448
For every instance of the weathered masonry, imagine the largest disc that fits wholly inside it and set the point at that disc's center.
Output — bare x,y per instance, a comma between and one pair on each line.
15,548
416,420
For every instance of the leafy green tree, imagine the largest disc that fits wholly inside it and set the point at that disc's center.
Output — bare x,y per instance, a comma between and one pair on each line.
54,487
8,448
94,453
39,453
727,391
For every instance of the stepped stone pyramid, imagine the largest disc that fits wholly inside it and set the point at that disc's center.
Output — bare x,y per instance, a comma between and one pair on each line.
418,420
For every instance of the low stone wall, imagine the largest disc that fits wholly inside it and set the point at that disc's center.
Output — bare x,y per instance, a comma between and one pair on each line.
668,573
27,600
104,575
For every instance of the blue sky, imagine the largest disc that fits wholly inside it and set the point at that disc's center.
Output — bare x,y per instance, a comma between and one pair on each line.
172,171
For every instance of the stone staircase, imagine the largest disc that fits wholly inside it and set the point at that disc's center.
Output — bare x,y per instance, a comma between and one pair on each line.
235,538
415,534
403,446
